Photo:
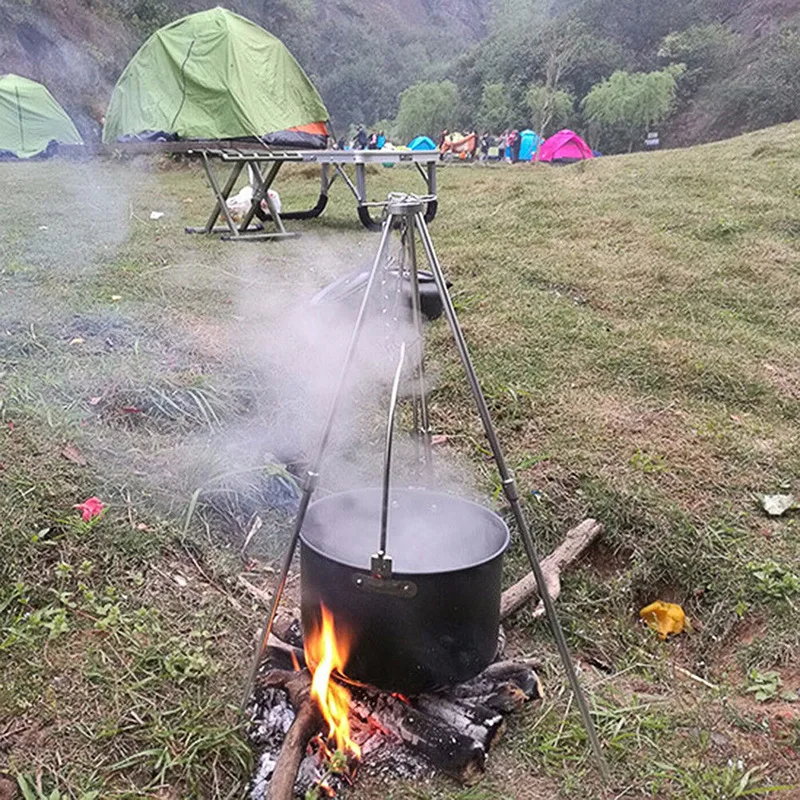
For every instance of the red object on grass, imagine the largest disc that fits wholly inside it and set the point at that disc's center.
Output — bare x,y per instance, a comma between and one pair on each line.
90,508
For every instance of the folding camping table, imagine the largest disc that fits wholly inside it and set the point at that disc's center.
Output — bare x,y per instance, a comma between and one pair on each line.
265,165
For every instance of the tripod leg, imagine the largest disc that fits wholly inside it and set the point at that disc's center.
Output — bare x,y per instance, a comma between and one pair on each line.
421,419
511,492
312,477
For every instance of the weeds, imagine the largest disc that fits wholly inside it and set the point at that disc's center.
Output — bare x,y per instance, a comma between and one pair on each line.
703,782
638,355
31,789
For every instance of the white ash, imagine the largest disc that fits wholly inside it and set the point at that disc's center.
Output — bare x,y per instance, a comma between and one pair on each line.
271,716
397,762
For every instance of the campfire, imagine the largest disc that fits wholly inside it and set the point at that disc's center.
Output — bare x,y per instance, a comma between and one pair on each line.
314,730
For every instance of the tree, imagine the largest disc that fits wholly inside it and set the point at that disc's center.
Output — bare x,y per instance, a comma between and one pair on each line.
769,91
632,102
511,15
548,107
494,110
426,108
706,50
564,54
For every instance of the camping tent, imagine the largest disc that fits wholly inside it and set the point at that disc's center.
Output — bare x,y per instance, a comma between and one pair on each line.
216,75
422,143
564,147
528,142
460,145
30,119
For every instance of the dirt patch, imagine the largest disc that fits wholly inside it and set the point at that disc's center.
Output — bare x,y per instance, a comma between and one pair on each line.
785,381
659,444
8,789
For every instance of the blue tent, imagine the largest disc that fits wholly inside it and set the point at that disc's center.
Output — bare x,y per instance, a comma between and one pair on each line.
529,142
421,143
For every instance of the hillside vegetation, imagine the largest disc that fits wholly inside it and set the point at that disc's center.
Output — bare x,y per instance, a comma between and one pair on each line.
509,63
735,63
360,54
634,323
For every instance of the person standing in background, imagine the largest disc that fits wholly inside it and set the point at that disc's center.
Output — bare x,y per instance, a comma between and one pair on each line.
485,144
513,145
503,151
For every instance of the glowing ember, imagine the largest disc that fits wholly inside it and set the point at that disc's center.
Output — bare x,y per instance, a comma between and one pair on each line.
325,653
295,662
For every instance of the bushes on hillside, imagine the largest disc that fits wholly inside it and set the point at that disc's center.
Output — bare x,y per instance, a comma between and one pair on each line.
768,92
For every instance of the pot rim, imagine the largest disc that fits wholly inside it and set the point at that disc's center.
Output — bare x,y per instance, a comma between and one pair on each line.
494,516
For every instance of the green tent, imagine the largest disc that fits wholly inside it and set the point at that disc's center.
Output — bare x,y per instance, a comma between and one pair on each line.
215,75
30,118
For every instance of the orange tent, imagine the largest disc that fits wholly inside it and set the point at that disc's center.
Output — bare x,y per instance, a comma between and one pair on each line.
460,146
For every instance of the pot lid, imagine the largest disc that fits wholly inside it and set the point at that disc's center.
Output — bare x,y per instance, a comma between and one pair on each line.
429,532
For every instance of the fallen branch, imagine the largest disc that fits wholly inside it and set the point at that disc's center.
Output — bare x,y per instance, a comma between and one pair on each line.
575,543
259,594
307,722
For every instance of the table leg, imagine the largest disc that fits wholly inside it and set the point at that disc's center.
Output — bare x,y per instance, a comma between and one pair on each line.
260,192
221,195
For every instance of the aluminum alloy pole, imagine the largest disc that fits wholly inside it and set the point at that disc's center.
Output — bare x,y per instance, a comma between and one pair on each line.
511,492
421,401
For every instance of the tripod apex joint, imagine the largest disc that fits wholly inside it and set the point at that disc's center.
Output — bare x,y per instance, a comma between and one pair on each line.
400,204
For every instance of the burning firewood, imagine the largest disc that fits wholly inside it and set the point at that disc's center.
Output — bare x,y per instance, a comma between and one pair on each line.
448,749
453,730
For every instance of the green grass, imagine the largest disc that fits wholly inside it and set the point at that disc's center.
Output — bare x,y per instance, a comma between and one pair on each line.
633,321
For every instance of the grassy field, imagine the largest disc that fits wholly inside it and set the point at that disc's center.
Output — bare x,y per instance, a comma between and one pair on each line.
635,324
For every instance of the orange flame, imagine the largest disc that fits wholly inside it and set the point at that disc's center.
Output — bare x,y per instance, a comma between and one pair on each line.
325,653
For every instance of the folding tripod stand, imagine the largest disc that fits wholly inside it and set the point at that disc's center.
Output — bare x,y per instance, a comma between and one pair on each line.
406,212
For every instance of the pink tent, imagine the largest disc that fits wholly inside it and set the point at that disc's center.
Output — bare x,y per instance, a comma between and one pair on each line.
565,146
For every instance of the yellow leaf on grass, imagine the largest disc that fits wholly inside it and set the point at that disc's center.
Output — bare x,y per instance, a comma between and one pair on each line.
664,618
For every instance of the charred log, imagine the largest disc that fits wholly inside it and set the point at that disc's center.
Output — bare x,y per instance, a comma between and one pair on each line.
452,752
478,722
521,675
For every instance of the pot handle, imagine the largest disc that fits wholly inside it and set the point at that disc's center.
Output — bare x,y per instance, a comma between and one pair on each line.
381,563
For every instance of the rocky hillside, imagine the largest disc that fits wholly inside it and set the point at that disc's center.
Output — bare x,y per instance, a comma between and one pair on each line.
758,86
75,47
361,53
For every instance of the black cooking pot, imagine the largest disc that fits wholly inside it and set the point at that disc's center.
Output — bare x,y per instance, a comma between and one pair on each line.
347,291
435,620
